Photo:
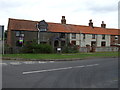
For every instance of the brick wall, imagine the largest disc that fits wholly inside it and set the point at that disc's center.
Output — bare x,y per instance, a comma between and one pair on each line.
100,49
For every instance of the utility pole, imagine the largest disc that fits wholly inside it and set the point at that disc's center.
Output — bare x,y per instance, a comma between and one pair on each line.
38,33
80,38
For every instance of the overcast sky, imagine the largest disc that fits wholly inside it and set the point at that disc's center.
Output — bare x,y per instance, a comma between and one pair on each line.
76,11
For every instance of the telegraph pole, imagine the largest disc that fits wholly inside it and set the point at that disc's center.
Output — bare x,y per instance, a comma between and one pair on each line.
38,33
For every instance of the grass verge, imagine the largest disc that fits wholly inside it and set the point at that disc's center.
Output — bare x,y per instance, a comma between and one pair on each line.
62,56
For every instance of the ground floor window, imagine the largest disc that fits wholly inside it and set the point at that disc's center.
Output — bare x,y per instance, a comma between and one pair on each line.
56,43
103,44
62,43
93,43
73,42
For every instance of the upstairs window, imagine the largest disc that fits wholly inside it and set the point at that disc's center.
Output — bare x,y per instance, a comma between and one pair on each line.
73,36
103,36
62,35
116,37
93,36
83,36
42,26
17,33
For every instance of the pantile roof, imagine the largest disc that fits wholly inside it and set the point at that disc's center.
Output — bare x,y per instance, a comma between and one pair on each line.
27,25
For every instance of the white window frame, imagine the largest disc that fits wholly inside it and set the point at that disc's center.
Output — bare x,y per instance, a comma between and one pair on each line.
17,33
73,36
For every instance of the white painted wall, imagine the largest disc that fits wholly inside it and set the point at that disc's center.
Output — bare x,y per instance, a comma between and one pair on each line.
88,38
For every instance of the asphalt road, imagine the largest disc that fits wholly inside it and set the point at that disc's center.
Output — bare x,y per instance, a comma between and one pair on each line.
90,73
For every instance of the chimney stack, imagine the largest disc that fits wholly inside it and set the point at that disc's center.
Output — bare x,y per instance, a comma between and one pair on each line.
90,23
63,20
103,25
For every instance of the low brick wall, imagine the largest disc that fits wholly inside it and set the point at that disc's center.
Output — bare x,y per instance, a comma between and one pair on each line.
106,49
83,49
99,49
14,50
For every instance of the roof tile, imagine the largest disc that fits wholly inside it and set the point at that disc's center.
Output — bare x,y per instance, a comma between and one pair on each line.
27,25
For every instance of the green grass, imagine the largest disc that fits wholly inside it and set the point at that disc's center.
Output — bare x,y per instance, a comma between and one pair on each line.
63,56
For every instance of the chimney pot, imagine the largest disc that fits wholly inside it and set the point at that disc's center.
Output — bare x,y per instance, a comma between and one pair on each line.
90,20
63,20
102,22
103,25
90,23
63,16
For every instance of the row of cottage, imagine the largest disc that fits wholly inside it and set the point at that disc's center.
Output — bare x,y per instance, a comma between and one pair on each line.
60,34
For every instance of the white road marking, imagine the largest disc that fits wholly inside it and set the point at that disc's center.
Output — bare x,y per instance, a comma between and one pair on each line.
49,70
15,63
112,81
115,80
79,66
46,70
3,64
41,62
92,65
29,62
52,61
25,62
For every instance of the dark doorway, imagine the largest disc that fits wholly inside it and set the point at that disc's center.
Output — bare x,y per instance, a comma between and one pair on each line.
93,46
93,43
56,43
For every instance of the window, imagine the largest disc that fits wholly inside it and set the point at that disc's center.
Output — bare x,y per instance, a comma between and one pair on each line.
62,43
116,37
56,43
83,36
22,35
62,35
93,43
43,30
93,36
103,43
17,33
73,36
73,42
103,36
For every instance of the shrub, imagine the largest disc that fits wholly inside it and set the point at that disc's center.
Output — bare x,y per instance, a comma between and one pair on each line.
33,47
70,49
42,48
28,47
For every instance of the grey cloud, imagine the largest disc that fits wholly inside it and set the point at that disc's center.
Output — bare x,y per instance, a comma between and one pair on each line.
102,9
97,7
4,4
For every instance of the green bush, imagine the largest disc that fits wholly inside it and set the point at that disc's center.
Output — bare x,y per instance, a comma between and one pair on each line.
42,48
70,49
33,47
28,47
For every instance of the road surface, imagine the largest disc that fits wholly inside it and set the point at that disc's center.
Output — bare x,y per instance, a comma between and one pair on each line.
90,73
